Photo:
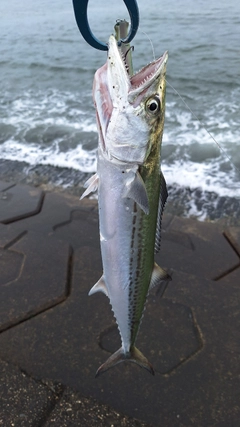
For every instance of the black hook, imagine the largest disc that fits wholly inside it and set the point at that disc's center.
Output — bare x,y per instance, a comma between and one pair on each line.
80,10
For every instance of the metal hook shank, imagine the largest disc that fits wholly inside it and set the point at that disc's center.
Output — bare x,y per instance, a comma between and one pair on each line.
80,10
133,11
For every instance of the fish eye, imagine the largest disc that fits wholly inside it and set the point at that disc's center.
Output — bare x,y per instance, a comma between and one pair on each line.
153,105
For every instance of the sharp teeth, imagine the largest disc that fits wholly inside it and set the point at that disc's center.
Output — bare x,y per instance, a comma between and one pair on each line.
124,61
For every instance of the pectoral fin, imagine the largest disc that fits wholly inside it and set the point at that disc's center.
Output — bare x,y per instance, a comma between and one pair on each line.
91,185
100,286
136,190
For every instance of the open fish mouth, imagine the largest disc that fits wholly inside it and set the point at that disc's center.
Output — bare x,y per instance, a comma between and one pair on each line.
114,89
119,80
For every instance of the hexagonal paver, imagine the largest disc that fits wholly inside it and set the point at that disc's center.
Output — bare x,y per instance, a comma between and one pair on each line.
7,259
33,281
8,235
169,331
75,410
190,335
56,213
82,228
24,402
196,248
19,201
62,344
6,185
232,234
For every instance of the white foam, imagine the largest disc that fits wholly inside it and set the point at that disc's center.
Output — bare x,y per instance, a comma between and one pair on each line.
76,158
39,111
208,177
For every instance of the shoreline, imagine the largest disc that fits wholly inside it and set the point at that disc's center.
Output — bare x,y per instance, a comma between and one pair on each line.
182,201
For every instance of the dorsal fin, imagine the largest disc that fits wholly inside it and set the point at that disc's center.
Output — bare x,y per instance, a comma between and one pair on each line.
162,200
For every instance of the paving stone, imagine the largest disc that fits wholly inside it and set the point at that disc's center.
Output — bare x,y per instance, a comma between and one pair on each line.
81,230
233,236
10,266
196,248
76,410
26,402
9,234
190,335
6,185
23,401
56,211
19,201
231,422
30,281
200,385
166,348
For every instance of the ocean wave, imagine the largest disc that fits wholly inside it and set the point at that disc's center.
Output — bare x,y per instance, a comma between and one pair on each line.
33,154
207,176
58,128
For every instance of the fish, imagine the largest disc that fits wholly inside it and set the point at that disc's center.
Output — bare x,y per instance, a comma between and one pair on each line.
132,191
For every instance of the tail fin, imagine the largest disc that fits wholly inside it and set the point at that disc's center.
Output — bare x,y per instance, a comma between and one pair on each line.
134,355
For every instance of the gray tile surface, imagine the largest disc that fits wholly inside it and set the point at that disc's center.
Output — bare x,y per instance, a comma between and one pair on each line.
52,330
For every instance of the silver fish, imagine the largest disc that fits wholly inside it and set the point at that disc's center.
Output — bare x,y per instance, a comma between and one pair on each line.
131,191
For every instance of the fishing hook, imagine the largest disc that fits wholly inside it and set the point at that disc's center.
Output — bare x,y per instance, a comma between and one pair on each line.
80,11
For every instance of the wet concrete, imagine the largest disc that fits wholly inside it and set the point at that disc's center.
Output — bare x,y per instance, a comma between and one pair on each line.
58,336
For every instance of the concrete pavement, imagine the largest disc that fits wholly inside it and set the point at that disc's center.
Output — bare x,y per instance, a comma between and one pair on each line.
53,336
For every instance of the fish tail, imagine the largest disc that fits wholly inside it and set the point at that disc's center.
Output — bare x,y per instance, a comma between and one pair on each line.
134,355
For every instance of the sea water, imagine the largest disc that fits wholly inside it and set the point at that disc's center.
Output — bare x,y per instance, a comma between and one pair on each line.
47,118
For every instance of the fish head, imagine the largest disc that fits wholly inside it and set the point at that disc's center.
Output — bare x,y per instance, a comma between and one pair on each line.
129,109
